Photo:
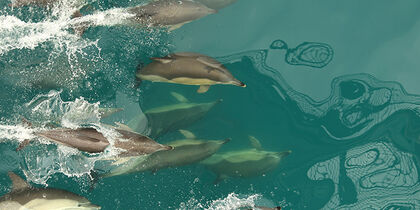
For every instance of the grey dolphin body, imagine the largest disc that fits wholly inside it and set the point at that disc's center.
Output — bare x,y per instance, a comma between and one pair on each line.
90,140
173,117
244,163
171,13
186,151
189,69
24,196
84,139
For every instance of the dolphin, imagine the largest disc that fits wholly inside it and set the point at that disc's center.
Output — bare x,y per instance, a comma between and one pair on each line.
168,13
23,196
216,4
164,119
244,163
92,141
185,151
189,69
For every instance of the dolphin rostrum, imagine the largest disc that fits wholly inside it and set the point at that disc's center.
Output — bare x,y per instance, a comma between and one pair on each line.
23,196
189,69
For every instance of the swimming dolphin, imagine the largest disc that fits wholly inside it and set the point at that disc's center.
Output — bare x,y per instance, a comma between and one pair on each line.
216,4
185,151
168,13
244,163
164,119
189,69
92,141
23,196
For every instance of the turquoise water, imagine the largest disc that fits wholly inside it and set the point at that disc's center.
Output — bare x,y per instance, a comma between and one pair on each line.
335,83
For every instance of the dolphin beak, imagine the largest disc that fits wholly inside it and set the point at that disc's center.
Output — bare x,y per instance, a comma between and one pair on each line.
239,83
226,140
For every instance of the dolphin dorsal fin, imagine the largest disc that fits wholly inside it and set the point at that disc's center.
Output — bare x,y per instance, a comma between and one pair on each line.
18,183
163,60
187,134
255,142
179,97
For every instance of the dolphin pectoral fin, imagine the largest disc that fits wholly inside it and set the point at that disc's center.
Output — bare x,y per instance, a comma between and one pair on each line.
176,26
23,144
187,134
203,88
219,179
255,142
179,97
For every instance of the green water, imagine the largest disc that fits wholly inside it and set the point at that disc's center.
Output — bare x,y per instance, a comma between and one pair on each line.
342,96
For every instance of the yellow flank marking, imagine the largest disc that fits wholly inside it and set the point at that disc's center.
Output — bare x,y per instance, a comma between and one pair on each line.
179,80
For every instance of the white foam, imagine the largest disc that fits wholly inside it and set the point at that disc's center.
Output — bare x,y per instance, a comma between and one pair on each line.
232,201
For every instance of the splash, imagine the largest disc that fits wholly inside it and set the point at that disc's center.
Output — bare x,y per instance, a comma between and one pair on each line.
232,201
41,161
50,108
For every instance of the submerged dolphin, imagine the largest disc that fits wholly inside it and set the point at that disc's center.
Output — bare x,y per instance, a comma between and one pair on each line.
189,69
186,151
172,117
244,163
92,141
24,196
168,13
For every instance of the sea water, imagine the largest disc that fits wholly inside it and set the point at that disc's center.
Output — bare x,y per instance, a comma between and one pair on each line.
334,82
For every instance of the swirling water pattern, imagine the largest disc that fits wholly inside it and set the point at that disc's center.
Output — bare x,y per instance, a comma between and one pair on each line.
356,148
311,54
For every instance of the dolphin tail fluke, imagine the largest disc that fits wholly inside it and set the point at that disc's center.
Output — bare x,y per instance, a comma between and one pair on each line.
94,178
219,179
26,122
203,88
23,144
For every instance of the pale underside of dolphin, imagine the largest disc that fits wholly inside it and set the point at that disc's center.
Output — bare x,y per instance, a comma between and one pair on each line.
172,117
187,68
23,196
186,151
